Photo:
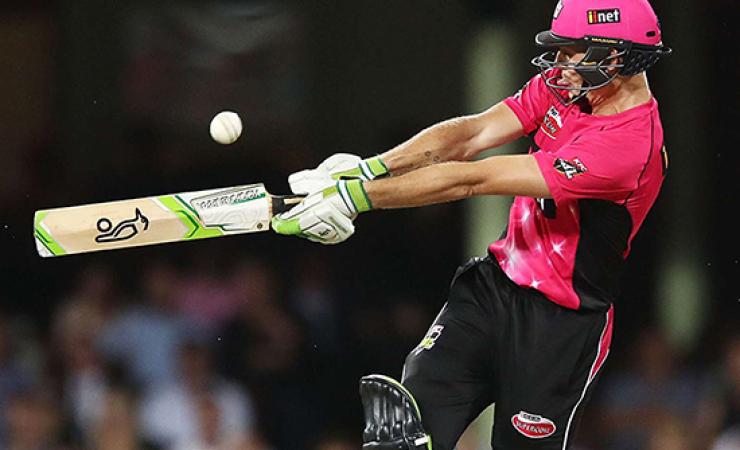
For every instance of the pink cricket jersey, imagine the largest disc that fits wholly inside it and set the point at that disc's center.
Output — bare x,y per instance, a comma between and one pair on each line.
604,173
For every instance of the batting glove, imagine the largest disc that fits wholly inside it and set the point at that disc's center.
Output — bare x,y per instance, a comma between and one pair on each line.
325,216
340,166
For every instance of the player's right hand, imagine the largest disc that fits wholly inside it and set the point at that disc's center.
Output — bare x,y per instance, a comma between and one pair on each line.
340,166
325,216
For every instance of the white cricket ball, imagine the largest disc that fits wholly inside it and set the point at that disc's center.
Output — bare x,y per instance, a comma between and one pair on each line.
226,127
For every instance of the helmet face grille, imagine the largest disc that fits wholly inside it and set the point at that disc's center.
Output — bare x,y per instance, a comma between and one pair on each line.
598,68
636,58
600,65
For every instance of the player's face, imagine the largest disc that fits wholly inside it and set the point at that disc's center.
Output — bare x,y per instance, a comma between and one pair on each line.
568,57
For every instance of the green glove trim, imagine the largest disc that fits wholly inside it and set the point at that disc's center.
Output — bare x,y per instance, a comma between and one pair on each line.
375,166
357,194
287,227
352,173
368,169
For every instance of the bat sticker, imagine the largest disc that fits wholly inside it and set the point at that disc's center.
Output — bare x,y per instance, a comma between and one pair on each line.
123,230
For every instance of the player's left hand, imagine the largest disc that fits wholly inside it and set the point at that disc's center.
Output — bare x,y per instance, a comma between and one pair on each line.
340,166
325,216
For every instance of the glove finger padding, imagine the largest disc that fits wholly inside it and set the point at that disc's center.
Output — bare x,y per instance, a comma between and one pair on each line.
310,181
340,162
331,169
322,222
327,225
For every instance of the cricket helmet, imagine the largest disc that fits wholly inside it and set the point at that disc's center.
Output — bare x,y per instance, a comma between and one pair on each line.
619,37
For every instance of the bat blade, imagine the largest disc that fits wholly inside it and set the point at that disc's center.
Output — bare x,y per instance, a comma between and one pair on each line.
155,220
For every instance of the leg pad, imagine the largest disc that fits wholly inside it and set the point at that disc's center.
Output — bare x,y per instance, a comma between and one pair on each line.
392,417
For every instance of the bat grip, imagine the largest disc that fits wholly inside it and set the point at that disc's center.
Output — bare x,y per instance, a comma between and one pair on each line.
282,203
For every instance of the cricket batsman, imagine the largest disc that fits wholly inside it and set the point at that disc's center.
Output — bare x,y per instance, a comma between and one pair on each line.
527,327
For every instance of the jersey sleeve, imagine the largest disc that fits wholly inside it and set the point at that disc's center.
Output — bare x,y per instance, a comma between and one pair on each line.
601,166
531,103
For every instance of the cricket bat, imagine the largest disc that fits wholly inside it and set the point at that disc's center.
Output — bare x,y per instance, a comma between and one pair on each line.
154,220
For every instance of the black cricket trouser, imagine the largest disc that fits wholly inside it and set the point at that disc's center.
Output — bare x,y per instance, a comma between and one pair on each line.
497,342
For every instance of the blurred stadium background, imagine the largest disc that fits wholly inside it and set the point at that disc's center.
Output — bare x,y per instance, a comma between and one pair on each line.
257,342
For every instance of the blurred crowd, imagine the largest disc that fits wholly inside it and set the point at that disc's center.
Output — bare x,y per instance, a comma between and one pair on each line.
195,358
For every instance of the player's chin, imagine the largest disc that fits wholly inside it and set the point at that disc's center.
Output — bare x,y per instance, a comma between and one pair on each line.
572,88
574,93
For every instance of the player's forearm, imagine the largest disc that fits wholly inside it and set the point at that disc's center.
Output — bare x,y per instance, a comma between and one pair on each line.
458,139
441,142
440,183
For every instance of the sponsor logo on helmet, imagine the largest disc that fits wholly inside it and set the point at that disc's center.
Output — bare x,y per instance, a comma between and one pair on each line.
532,425
603,40
558,8
570,168
552,123
599,16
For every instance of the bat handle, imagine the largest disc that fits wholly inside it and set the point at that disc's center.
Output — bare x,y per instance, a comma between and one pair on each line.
282,203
